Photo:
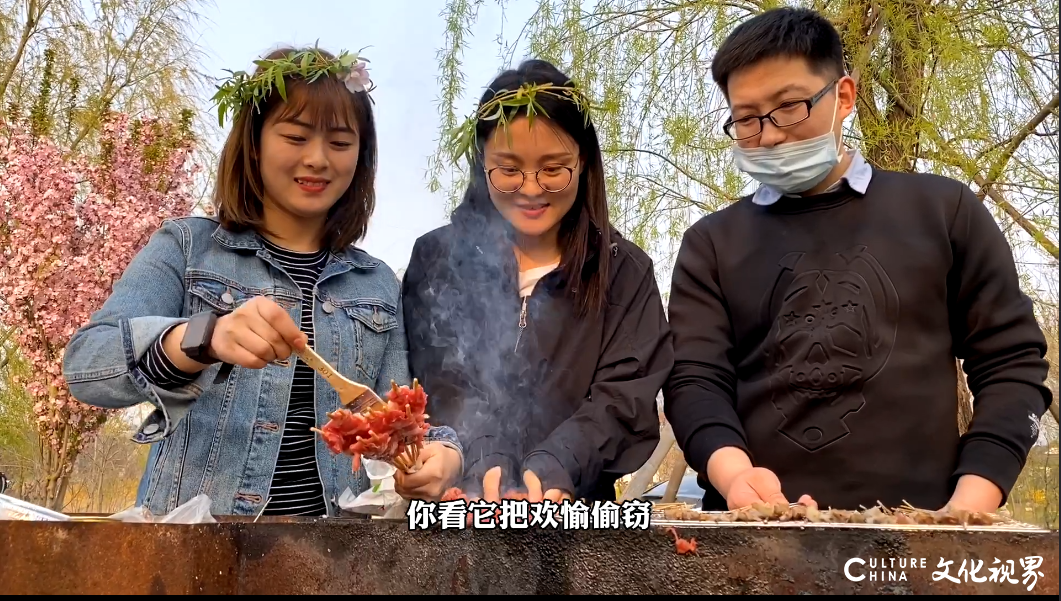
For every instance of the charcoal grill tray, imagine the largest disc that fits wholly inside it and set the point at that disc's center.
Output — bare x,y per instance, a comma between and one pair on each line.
659,519
830,525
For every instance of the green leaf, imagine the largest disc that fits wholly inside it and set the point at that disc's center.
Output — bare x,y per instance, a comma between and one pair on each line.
347,59
463,148
280,84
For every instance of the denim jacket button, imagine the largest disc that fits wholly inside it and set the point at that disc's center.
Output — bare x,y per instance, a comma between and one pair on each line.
226,298
328,308
376,318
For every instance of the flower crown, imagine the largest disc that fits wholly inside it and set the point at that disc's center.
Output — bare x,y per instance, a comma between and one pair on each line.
461,142
242,88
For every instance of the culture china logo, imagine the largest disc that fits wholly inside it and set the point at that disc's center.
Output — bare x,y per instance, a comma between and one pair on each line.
894,569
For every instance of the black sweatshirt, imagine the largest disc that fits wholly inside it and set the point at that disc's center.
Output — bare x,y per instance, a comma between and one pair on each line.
819,335
571,398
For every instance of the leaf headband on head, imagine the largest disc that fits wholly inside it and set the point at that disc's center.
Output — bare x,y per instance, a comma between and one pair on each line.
460,141
242,88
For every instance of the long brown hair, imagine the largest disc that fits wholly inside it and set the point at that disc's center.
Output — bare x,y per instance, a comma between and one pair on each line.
325,103
585,231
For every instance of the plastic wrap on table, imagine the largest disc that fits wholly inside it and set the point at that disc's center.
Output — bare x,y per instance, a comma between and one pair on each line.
17,509
377,499
195,511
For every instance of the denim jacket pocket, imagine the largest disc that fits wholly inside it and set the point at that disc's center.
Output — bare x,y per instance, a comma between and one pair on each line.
374,322
210,291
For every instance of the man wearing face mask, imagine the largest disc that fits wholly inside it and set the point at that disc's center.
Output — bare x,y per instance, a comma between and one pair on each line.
817,320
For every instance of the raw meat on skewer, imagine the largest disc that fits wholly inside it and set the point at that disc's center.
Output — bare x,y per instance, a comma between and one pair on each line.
394,434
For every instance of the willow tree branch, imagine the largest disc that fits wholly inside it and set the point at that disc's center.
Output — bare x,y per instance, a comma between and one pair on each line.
874,28
710,186
34,14
970,169
996,170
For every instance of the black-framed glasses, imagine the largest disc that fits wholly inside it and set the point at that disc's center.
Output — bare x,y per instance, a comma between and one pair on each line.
786,115
554,178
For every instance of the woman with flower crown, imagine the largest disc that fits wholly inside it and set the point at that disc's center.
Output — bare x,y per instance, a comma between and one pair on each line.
204,321
538,328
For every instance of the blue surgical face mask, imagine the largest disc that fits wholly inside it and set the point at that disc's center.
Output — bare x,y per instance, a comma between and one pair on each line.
794,167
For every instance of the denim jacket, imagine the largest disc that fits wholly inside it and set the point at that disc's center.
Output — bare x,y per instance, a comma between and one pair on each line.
221,436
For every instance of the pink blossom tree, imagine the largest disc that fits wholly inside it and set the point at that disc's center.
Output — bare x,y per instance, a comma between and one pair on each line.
69,225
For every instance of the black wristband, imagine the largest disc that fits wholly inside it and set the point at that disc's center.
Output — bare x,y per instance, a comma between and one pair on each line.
196,342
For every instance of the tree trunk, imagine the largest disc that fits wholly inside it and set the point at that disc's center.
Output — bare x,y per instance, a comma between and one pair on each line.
898,149
32,18
58,465
677,473
52,476
59,503
965,401
99,485
643,477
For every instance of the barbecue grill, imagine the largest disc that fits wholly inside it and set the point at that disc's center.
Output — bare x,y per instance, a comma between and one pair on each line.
381,556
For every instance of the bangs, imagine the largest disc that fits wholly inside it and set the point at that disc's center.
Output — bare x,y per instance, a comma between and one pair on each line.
326,104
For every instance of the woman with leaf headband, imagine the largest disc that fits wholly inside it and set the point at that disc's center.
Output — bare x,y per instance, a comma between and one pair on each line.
204,321
538,329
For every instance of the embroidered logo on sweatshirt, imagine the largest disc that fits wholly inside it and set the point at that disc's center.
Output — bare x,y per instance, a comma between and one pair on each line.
837,317
1035,426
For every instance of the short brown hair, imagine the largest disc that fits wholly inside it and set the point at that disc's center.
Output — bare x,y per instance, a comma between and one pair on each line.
239,190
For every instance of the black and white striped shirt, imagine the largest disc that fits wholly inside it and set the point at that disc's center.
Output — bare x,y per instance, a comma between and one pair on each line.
296,487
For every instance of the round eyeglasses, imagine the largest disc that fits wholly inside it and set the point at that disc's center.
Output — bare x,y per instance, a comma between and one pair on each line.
550,179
